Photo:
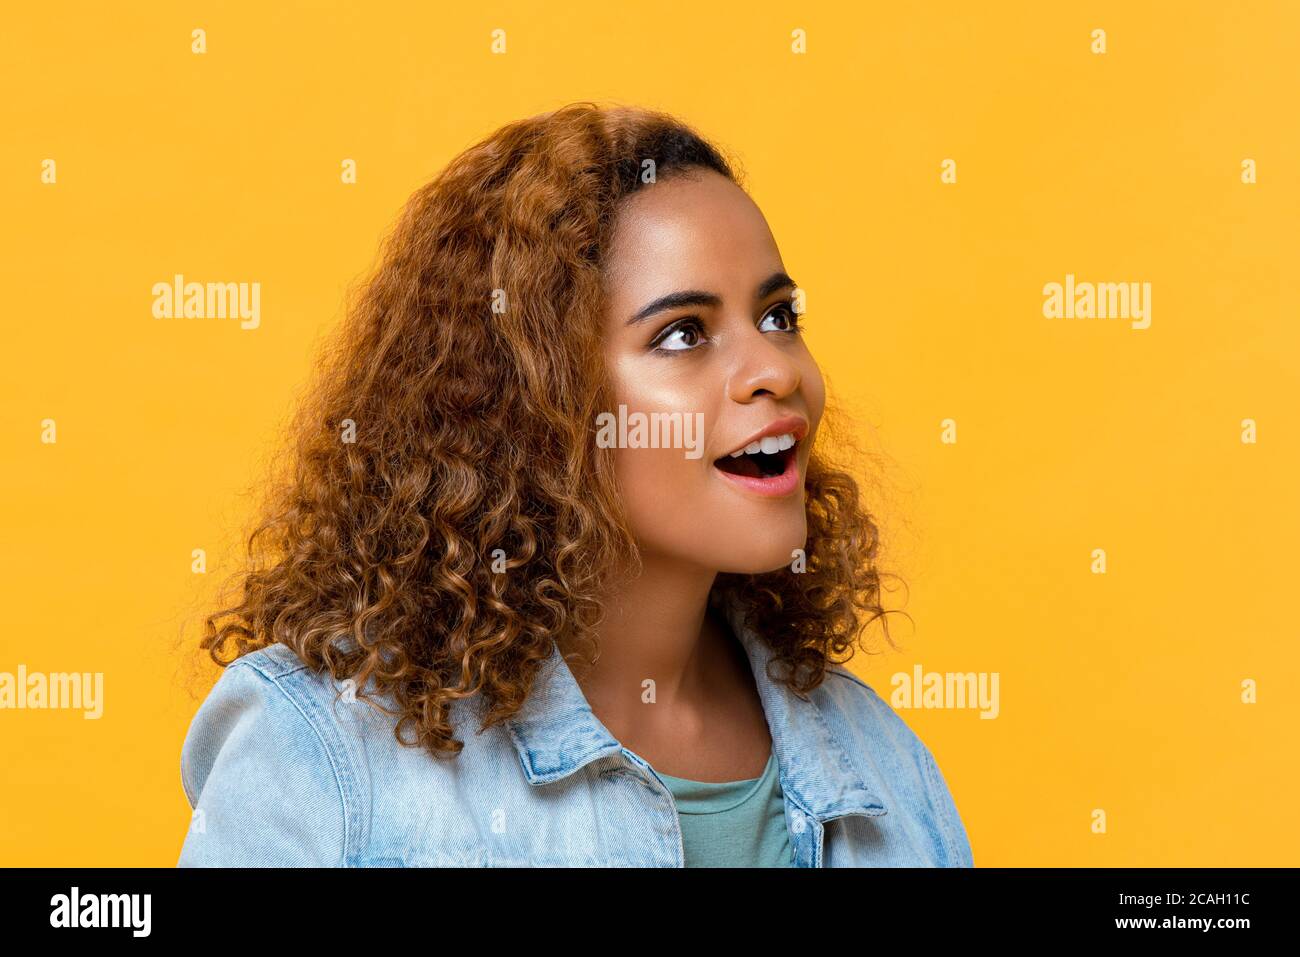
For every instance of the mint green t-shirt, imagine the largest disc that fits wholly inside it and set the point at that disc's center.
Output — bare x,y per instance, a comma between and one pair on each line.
733,823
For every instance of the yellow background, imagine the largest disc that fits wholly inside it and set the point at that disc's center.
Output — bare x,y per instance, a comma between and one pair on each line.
1118,691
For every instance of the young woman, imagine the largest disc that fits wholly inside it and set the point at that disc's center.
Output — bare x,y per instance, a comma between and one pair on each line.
557,574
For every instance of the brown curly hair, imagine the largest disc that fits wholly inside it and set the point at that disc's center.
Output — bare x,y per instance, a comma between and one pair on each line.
452,428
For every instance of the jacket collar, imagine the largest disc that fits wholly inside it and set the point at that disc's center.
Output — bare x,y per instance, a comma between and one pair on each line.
556,733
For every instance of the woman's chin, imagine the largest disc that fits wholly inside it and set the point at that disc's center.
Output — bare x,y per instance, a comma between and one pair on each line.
768,555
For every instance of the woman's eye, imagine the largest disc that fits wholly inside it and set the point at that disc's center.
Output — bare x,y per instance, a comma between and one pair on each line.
680,337
784,313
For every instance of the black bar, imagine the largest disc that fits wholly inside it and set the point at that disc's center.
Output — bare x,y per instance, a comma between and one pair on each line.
333,907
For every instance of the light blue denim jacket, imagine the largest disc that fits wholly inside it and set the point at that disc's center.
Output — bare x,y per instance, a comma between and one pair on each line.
282,771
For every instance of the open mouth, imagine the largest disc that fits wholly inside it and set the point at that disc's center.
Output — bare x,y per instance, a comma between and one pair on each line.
764,461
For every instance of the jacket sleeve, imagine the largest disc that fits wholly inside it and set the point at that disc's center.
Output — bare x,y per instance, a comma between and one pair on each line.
954,831
936,805
263,786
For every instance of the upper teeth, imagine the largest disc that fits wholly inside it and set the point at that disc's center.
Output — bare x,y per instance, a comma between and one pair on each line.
768,445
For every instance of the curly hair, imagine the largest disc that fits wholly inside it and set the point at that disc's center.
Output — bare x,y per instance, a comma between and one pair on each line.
450,436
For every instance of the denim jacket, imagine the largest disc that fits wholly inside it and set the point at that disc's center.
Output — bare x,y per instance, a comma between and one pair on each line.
282,770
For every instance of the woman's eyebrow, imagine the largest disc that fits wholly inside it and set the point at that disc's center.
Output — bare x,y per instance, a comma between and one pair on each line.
696,297
778,280
675,300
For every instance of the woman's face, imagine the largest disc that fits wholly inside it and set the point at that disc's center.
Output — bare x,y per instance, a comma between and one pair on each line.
700,323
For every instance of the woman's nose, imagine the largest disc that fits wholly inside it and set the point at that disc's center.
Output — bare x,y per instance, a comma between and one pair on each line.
761,368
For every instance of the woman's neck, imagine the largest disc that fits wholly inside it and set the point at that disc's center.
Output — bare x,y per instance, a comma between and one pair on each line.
656,628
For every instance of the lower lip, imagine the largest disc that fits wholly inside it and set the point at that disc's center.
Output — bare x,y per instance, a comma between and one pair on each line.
774,487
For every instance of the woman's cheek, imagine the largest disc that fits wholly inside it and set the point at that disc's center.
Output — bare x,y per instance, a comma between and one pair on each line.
662,492
814,390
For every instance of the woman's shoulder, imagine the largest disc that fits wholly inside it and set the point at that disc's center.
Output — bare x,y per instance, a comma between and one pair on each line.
265,697
265,771
888,753
856,710
858,715
849,697
280,764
